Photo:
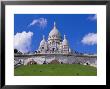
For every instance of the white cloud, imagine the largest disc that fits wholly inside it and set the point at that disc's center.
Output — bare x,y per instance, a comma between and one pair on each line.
93,17
90,39
22,41
41,22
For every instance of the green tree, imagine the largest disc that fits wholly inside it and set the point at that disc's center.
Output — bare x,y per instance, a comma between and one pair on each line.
15,51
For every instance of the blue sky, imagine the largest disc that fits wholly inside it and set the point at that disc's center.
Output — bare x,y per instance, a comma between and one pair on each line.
80,30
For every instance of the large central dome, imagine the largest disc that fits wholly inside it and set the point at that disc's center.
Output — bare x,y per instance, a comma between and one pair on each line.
54,34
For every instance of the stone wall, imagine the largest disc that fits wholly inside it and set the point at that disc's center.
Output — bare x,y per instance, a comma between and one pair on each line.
68,59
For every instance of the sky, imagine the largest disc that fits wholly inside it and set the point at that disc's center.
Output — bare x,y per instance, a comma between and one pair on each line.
80,30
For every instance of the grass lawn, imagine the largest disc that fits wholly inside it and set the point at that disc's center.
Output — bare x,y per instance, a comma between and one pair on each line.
55,70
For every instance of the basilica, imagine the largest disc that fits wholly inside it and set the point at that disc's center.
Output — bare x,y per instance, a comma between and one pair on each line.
55,49
55,43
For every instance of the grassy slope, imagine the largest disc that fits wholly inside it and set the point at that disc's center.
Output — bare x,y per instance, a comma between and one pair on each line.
56,70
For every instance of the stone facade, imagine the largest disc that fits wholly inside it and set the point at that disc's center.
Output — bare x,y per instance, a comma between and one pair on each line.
54,44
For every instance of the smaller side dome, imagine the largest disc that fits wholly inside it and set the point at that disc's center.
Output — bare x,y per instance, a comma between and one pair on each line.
43,42
65,42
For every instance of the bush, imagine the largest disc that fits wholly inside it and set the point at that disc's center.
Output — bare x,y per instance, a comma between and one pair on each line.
31,62
15,50
54,62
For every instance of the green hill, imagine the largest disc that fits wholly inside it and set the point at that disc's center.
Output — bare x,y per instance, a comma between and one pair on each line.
55,70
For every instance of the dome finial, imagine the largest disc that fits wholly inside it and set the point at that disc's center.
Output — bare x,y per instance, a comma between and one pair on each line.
43,36
54,23
64,36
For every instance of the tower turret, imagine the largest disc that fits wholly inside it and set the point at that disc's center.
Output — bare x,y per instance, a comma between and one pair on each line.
43,45
65,45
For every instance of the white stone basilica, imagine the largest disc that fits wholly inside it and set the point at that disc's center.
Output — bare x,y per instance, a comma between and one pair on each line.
55,49
54,44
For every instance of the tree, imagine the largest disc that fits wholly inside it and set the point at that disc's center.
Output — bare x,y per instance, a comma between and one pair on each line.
15,51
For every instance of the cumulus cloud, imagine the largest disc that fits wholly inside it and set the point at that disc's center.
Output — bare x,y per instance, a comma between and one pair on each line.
41,22
90,39
22,41
92,17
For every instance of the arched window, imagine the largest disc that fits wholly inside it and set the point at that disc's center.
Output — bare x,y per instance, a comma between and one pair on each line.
42,47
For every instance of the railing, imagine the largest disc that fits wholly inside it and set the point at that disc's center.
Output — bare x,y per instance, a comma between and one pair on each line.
47,54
